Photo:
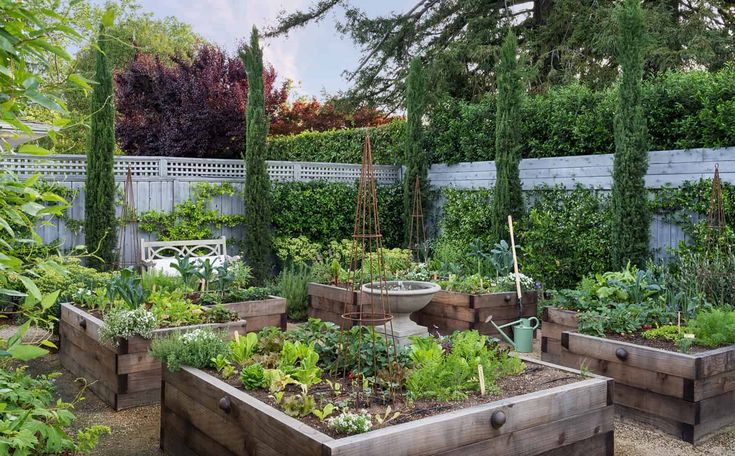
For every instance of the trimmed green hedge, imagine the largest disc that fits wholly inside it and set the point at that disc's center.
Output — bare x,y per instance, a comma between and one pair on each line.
683,110
325,211
340,146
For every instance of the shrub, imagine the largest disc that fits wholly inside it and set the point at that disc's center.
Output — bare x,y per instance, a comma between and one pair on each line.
340,146
292,285
124,324
196,349
714,328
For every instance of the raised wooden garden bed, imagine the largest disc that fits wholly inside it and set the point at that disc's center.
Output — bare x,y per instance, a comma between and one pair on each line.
448,311
124,376
690,396
259,314
202,415
554,322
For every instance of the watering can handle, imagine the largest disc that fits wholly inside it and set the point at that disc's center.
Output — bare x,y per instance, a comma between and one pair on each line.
537,322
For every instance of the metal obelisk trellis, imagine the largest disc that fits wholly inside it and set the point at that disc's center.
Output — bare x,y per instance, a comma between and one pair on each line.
416,230
129,234
367,267
716,216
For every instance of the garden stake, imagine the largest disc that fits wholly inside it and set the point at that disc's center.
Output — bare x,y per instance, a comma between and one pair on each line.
481,377
515,267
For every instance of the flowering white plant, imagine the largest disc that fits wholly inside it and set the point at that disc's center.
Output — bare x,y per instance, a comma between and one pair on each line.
124,324
351,423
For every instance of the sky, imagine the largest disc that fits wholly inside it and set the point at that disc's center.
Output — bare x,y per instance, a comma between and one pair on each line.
313,57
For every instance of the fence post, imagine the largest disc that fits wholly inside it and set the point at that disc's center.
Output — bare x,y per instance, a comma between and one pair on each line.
297,171
163,167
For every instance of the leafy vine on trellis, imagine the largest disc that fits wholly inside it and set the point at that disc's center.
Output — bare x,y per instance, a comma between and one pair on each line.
193,218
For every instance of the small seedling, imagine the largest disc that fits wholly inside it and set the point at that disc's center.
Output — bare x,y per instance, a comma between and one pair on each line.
387,417
324,413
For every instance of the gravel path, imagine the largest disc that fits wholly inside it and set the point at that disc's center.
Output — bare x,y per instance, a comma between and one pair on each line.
135,431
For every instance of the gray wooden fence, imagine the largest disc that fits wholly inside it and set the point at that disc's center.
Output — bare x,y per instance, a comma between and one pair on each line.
160,183
666,168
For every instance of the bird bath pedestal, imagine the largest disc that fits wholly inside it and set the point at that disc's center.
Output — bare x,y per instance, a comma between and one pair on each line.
404,297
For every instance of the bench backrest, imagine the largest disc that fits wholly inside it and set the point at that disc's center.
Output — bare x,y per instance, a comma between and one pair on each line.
158,255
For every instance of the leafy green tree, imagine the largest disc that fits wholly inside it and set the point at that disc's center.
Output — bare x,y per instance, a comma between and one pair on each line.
508,196
258,246
631,216
415,158
100,224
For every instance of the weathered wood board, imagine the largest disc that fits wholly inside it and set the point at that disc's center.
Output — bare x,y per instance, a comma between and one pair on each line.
263,313
447,312
689,396
202,415
124,376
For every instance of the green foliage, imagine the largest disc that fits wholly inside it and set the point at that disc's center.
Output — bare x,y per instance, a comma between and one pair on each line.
297,250
196,348
341,146
714,328
631,217
325,211
507,195
126,285
258,200
684,109
252,377
671,333
449,372
415,156
123,324
33,423
467,216
242,348
568,235
293,285
100,223
192,218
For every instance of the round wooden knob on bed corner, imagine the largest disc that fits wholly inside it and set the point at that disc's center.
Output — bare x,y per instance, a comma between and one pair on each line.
225,404
497,419
83,323
507,298
621,353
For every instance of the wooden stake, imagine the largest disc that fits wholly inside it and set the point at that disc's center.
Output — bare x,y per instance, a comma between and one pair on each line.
481,376
515,267
678,320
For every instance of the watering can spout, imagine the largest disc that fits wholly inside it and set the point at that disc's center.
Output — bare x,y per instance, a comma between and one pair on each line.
523,329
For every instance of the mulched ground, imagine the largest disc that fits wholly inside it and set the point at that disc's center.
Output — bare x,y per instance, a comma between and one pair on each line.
655,343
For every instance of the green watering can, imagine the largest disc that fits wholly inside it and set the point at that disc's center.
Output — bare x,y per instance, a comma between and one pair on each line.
522,333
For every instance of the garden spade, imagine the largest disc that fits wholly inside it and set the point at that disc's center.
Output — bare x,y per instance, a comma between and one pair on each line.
515,267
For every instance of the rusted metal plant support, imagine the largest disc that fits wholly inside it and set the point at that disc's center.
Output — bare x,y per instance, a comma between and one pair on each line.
129,233
367,266
417,233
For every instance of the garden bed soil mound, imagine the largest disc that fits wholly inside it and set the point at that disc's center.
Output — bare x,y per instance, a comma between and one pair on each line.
656,343
533,378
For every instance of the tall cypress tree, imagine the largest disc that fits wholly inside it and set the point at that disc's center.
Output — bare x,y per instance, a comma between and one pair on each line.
507,196
631,217
415,157
258,248
100,224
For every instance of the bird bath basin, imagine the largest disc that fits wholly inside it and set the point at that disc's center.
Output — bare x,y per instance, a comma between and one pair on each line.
404,297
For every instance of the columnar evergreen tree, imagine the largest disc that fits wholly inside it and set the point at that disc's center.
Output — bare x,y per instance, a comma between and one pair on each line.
631,216
100,224
415,157
507,197
258,241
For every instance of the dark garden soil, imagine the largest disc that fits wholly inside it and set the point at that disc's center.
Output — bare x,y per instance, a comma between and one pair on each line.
534,378
656,343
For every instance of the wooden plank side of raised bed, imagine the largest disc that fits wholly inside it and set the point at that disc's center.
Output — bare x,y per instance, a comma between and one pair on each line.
137,362
602,444
654,359
271,306
330,305
714,362
714,385
138,398
657,404
443,325
331,317
255,324
70,361
451,298
546,437
553,330
669,385
86,352
440,310
465,427
265,424
85,321
333,293
179,437
562,317
505,312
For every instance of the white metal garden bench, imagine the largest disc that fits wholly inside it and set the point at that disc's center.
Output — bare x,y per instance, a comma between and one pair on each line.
159,255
